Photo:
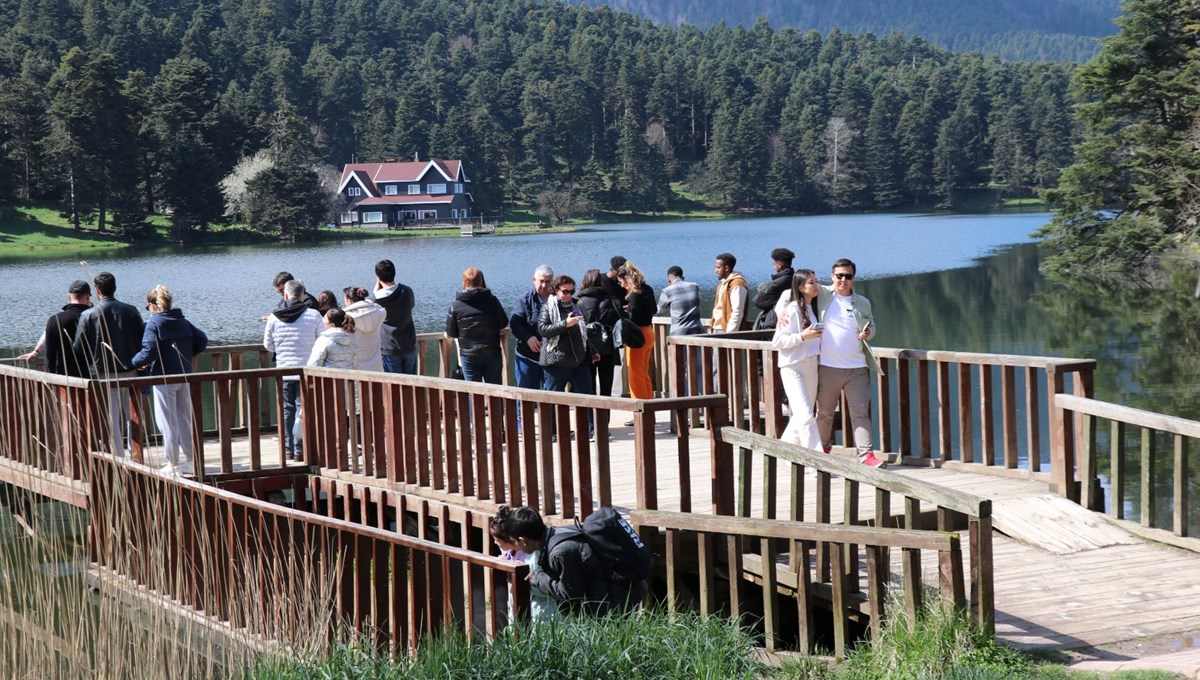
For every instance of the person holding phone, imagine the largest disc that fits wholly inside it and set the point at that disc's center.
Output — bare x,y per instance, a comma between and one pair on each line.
846,360
797,341
565,358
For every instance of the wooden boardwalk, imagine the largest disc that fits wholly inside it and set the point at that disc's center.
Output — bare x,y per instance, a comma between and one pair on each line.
1064,577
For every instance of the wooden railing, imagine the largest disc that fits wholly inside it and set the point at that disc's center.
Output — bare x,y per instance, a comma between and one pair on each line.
1152,431
949,508
47,424
462,441
282,573
931,407
840,583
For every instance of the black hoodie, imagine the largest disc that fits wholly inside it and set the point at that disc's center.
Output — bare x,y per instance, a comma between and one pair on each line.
398,336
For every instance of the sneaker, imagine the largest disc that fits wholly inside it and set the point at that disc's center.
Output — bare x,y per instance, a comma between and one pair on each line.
184,468
871,461
628,423
167,469
826,449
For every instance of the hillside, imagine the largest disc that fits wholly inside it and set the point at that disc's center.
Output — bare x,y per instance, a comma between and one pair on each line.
1024,30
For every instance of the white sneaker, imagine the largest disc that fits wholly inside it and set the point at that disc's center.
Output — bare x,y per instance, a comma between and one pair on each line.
184,468
167,469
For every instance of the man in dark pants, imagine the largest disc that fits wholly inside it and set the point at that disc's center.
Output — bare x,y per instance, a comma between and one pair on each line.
523,322
398,338
61,357
108,336
768,295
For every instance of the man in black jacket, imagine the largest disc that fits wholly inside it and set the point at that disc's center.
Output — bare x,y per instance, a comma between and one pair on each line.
398,338
109,335
769,294
569,571
61,357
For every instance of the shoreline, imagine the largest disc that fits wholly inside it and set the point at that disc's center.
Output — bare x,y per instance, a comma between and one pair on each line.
24,237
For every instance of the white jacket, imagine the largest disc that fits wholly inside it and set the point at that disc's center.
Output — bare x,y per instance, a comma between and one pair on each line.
334,348
792,349
292,342
368,320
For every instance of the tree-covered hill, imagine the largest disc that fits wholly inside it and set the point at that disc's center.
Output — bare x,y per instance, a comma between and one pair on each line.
120,108
1029,30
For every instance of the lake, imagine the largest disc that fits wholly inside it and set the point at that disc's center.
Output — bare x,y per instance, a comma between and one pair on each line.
957,282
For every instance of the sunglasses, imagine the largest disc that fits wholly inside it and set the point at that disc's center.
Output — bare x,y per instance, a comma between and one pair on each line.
570,291
844,277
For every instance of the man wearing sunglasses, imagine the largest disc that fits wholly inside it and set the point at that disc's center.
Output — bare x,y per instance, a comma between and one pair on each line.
846,360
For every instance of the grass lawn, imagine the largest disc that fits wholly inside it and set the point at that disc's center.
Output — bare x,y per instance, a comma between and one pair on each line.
40,230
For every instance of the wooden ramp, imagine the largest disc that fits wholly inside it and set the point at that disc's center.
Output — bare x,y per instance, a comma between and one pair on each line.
1064,577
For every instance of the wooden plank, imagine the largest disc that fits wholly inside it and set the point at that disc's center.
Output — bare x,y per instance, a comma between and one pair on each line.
904,387
966,437
943,408
923,416
1179,485
1033,420
1149,477
788,530
987,416
1116,469
1130,415
1008,411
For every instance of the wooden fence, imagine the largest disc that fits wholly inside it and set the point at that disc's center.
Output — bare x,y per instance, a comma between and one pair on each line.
285,574
950,509
710,532
932,407
475,442
1151,430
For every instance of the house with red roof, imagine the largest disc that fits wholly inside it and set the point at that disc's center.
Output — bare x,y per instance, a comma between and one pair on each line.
392,194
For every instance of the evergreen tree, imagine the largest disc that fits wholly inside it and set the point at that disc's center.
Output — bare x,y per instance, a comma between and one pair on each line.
885,168
1131,192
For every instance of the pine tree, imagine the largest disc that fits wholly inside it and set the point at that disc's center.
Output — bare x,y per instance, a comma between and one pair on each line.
1131,192
885,169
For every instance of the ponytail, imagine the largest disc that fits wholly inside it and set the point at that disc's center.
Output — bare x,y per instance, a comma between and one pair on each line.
341,319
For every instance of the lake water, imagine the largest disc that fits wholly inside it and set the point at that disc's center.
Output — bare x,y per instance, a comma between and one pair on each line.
957,282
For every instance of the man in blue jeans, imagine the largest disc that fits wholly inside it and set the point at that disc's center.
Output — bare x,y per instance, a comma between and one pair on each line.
523,322
398,337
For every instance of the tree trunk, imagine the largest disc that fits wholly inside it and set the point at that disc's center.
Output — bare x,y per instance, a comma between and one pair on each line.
71,200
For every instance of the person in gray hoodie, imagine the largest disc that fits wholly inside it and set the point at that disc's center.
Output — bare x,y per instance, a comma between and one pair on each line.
291,333
398,339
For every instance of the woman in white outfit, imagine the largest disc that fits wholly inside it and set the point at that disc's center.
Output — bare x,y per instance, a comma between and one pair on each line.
798,341
368,321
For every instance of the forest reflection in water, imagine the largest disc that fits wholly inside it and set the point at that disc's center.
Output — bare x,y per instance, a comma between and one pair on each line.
1145,340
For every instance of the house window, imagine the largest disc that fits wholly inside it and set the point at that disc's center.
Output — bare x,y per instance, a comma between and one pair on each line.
437,188
372,217
414,189
454,213
354,191
458,187
409,214
348,218
428,214
390,190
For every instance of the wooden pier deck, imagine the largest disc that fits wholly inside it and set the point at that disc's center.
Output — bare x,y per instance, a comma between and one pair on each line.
1064,577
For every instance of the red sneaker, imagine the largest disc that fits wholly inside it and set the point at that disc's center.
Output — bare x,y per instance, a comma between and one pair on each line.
826,448
871,461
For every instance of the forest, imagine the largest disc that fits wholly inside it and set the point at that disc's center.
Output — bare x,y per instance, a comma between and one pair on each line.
1022,30
122,109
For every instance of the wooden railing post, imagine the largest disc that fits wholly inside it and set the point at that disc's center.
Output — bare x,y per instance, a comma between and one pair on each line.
1062,438
645,462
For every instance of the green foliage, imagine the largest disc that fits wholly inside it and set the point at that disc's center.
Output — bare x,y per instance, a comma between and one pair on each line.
615,647
942,644
1132,192
1056,30
124,109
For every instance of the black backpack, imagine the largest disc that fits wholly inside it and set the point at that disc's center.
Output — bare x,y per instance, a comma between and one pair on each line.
625,556
599,339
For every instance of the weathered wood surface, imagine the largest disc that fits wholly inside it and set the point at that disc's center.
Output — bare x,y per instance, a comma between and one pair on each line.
1078,597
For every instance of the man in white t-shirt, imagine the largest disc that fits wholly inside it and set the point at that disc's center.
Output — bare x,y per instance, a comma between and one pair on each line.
846,360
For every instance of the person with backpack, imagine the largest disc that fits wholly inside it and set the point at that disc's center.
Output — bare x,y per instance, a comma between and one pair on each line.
597,567
601,311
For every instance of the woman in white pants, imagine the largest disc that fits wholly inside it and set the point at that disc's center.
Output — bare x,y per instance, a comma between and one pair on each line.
798,342
168,345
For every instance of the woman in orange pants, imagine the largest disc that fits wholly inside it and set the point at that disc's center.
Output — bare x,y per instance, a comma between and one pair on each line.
641,306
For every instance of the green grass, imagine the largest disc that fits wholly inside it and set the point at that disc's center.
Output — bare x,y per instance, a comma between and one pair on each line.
625,648
40,230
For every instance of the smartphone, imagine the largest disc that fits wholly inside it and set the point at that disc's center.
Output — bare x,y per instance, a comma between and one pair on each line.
818,326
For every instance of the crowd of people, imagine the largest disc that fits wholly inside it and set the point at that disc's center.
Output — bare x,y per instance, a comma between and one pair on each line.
568,335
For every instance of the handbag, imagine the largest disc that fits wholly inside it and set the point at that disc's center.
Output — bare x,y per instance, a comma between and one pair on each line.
626,333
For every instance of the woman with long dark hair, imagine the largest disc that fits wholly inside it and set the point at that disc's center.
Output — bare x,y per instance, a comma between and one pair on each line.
600,307
797,340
